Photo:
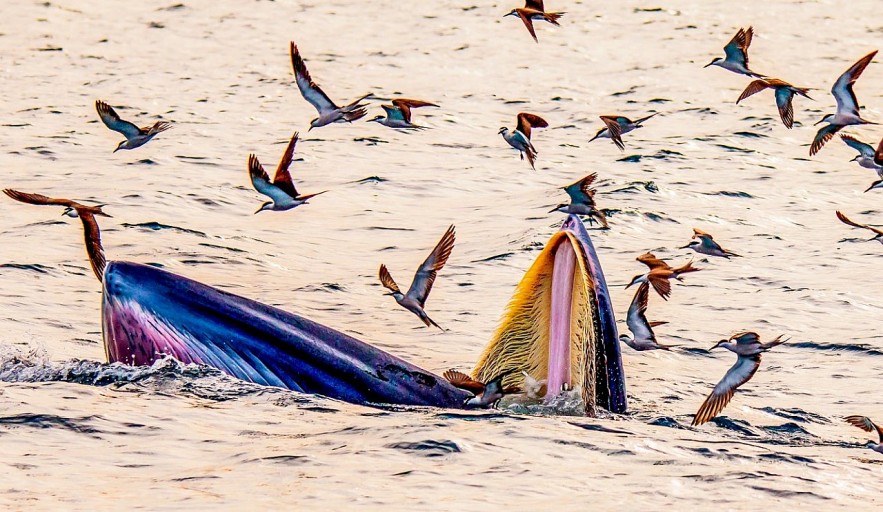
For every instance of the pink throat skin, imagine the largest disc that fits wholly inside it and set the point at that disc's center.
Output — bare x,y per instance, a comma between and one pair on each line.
559,328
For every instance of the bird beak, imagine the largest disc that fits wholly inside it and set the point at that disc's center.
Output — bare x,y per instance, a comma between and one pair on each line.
717,345
856,157
259,210
685,247
553,210
117,149
310,128
709,64
820,122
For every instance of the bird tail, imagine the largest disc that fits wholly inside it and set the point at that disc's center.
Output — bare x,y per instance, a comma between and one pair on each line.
159,126
428,321
802,91
658,323
686,269
552,17
731,253
357,113
531,157
304,197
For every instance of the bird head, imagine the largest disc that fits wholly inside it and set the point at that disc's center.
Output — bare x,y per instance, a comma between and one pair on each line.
625,338
856,157
503,130
692,245
266,206
718,344
313,124
71,212
827,119
713,62
120,146
376,118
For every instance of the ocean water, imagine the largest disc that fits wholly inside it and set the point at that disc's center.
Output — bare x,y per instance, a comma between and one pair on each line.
81,434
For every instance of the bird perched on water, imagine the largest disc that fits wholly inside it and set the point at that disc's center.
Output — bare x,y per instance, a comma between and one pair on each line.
582,201
784,95
736,52
135,136
747,347
415,300
847,105
398,115
486,395
865,423
282,191
534,10
878,233
704,243
660,273
520,137
329,112
642,330
615,126
74,209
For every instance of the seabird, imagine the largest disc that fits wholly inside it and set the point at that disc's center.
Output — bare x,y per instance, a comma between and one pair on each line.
534,10
520,137
659,274
329,112
87,216
135,137
282,191
642,330
866,157
615,126
747,347
865,423
398,115
415,300
878,233
704,243
784,94
486,395
847,105
582,201
736,51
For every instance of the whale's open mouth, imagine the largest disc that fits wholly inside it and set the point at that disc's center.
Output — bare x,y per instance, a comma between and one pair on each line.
559,326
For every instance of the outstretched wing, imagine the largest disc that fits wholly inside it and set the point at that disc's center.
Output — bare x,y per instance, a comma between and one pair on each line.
393,112
878,155
405,105
38,199
527,121
842,89
661,284
282,179
650,259
112,120
737,49
845,220
582,192
528,23
738,374
93,243
784,96
865,423
536,5
615,130
463,381
752,89
637,318
261,181
425,275
387,281
308,88
822,137
866,150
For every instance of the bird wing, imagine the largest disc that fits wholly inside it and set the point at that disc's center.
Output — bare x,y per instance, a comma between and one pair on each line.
93,243
784,96
527,121
112,120
425,275
282,179
660,283
720,396
641,120
842,89
308,88
536,5
581,191
393,112
865,423
261,181
865,149
615,130
650,259
822,137
387,281
775,342
637,319
845,220
878,155
737,49
406,105
745,338
463,381
527,23
753,88
698,233
38,199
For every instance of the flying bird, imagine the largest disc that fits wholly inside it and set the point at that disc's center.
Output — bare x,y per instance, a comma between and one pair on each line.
784,95
847,105
582,200
398,115
865,423
520,137
878,233
135,137
748,348
660,273
281,190
642,337
415,300
329,112
486,395
74,209
616,126
704,243
533,10
736,52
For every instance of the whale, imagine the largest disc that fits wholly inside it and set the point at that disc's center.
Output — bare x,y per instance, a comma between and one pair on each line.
559,327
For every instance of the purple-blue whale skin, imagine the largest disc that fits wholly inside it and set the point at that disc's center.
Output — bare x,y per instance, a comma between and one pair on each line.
611,376
148,313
